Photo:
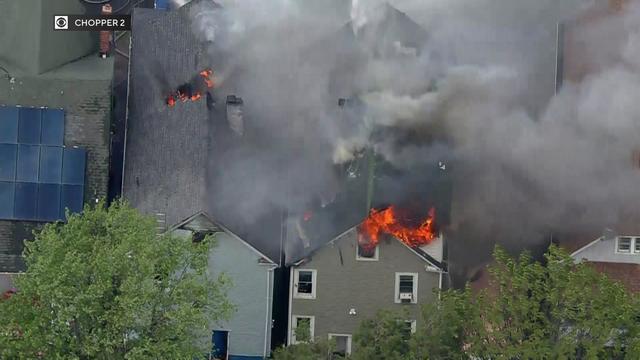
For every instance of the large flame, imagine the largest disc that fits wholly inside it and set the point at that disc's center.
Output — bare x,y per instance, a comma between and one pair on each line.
388,221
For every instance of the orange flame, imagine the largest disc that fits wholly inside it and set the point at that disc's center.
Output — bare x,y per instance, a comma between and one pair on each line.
206,73
387,222
171,101
196,96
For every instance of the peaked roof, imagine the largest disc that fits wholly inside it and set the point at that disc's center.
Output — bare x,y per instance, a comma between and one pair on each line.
170,152
215,227
420,252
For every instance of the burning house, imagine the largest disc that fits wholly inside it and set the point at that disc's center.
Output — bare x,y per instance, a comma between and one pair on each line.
221,162
177,135
383,263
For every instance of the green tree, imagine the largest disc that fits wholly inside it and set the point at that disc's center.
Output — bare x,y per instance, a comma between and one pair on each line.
555,310
104,285
385,336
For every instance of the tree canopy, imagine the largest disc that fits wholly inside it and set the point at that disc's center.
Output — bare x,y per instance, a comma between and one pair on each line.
105,285
550,309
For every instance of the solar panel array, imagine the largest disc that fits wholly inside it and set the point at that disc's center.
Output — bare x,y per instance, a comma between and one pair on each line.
39,176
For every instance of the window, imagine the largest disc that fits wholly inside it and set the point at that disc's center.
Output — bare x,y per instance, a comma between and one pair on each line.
409,327
304,284
406,288
341,345
302,328
628,245
624,244
366,254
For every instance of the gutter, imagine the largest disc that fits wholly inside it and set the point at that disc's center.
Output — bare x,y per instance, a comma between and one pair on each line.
267,323
290,305
126,117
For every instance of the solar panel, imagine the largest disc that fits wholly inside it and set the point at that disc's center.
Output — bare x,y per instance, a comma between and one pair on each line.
29,123
72,198
7,192
52,127
8,162
73,165
8,124
28,161
26,201
49,202
50,165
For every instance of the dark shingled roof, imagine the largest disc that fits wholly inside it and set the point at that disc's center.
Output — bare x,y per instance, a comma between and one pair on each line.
169,150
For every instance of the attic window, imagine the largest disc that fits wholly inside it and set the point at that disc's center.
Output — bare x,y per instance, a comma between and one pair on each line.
628,245
199,236
624,244
367,254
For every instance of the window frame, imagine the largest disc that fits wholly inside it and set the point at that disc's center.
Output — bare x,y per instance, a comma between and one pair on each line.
349,340
294,326
632,242
296,280
376,254
414,297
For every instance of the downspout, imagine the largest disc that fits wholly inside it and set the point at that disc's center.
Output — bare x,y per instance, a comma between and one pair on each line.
267,321
289,325
126,117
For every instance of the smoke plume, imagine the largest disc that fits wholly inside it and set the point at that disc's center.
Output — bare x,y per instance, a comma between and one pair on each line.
478,92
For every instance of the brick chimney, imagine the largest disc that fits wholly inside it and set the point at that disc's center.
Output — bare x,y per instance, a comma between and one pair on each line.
105,36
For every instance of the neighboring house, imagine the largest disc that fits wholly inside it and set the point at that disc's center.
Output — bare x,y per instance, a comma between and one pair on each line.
335,288
172,156
55,113
581,53
616,256
247,334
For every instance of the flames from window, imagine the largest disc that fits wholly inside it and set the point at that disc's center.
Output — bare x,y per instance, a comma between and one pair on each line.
389,221
192,91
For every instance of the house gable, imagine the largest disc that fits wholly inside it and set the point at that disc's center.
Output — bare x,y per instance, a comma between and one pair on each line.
605,251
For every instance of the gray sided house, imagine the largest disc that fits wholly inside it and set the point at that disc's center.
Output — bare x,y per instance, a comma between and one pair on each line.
55,115
335,288
247,334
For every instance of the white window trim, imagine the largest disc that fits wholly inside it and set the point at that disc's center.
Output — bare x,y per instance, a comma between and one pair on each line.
376,254
632,245
413,325
348,336
294,326
296,277
414,299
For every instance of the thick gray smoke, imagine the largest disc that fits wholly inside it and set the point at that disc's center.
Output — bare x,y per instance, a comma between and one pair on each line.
525,162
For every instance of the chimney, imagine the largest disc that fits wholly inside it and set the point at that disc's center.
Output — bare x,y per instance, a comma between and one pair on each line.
105,36
234,114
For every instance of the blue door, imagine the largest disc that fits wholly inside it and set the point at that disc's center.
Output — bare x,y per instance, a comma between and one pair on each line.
220,339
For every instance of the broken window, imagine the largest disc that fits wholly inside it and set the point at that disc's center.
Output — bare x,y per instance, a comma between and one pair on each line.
624,244
305,286
367,253
302,329
406,288
341,344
